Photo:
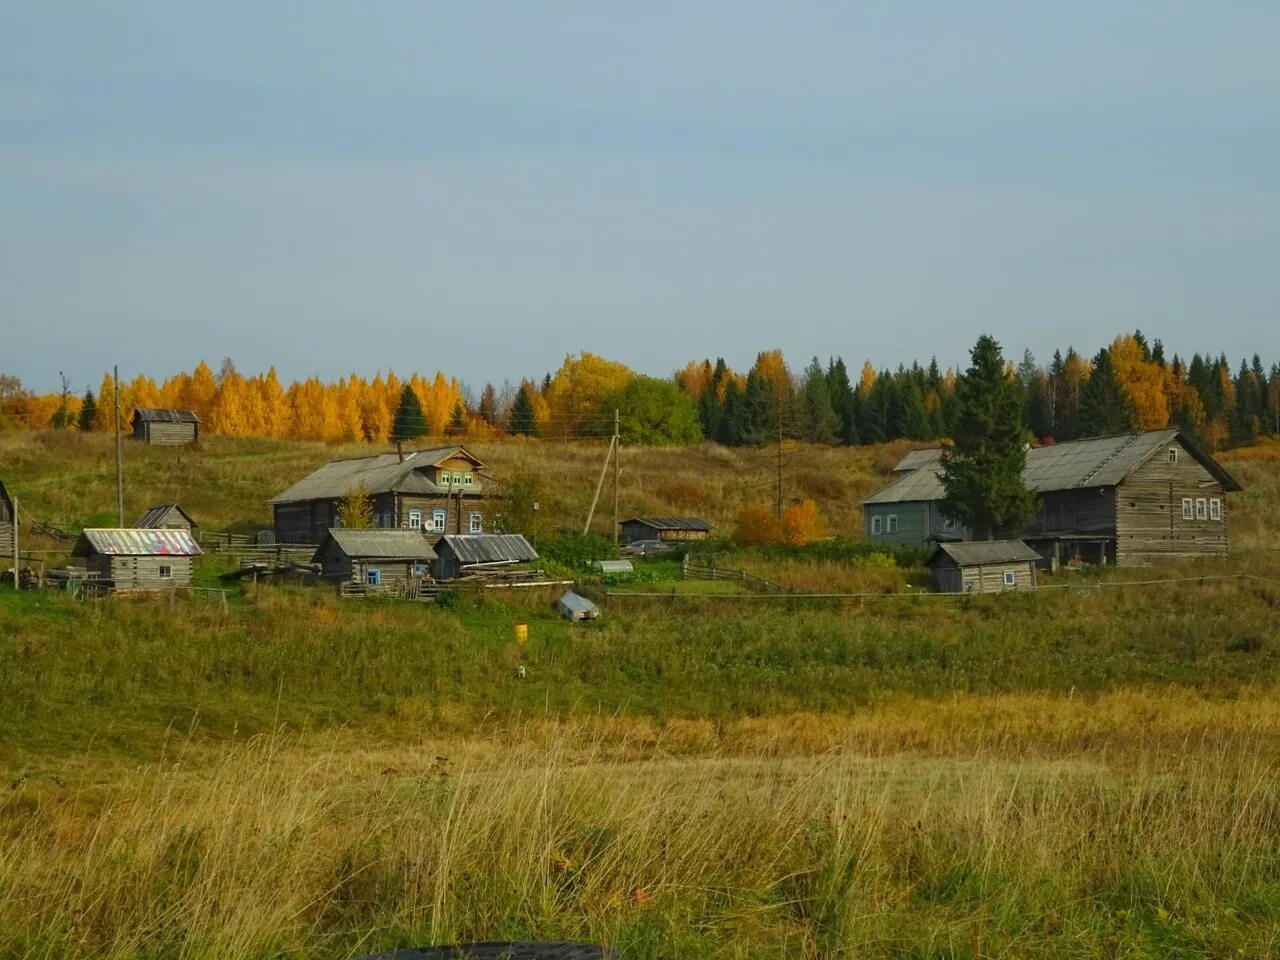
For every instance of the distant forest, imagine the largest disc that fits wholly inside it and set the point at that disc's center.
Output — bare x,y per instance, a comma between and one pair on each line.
1129,384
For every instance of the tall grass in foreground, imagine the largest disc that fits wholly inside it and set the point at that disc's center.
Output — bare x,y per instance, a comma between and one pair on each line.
285,848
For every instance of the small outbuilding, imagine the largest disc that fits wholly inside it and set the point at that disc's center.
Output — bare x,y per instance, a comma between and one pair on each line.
165,427
464,553
131,559
378,561
674,529
167,516
988,566
7,521
576,608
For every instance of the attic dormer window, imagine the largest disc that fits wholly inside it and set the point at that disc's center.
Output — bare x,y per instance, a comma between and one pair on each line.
1173,454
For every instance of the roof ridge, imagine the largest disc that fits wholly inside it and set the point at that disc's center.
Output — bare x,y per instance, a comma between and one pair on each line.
1133,438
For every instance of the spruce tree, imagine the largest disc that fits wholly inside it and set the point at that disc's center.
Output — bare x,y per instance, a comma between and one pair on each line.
729,430
982,474
843,400
910,420
524,419
410,422
1105,406
821,423
88,412
458,420
488,404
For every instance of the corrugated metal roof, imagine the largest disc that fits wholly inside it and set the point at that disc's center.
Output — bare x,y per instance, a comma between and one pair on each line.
490,547
915,459
378,544
383,473
576,607
670,523
156,515
137,543
986,551
1091,462
155,415
614,566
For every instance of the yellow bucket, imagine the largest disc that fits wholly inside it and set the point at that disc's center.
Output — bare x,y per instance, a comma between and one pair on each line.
522,632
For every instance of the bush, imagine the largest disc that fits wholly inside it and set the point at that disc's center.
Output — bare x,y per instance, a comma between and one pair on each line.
577,550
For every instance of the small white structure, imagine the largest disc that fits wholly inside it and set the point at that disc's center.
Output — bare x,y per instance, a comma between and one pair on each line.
575,608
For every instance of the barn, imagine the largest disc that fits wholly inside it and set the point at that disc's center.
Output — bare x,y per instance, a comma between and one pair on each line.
460,554
676,529
165,428
132,560
167,516
375,561
984,566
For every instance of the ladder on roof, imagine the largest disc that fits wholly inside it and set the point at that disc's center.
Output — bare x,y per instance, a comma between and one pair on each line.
1133,438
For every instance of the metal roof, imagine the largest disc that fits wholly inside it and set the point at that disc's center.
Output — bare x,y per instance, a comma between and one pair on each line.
154,516
136,543
575,606
915,459
1073,464
384,473
4,495
489,547
155,415
986,551
377,544
670,523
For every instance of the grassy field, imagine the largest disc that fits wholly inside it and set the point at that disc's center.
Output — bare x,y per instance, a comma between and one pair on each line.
1066,774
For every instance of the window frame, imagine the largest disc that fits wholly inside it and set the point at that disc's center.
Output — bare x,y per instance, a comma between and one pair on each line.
419,568
475,522
415,514
1188,508
439,520
166,571
891,524
1173,455
877,525
1202,508
373,576
1010,578
1215,509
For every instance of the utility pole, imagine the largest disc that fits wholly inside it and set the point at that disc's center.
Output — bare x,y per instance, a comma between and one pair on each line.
617,456
777,507
604,472
119,452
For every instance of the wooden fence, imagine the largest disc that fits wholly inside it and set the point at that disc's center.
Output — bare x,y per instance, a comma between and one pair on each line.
705,568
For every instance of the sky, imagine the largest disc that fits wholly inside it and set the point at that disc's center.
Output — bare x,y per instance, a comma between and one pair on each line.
484,187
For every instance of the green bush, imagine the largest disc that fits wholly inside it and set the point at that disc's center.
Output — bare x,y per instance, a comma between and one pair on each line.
577,550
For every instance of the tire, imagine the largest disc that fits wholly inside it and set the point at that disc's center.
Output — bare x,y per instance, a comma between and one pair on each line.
512,950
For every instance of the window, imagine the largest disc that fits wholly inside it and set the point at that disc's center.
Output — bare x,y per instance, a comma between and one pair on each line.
1202,508
1188,508
166,572
373,577
446,478
948,523
415,519
467,481
475,523
877,525
1010,578
1215,509
891,523
437,521
419,569
1173,454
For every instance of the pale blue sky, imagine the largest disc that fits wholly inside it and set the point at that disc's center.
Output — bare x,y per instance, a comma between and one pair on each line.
483,187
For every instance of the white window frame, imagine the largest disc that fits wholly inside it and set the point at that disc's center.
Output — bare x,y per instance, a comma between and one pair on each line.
1010,578
467,481
1188,508
166,571
891,523
415,518
439,518
877,525
1202,508
948,523
1173,454
373,576
419,569
475,522
1215,509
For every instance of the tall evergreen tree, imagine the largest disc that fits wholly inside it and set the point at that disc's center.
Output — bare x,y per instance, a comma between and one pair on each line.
758,421
729,427
458,420
843,400
909,418
88,412
821,423
876,410
524,418
410,423
488,404
1105,406
982,474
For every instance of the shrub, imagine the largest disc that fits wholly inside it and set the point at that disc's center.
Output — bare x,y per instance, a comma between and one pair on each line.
756,526
577,550
802,523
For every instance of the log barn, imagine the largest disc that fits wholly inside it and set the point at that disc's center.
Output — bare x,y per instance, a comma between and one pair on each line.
166,428
138,560
674,529
1131,499
433,492
985,566
466,553
167,516
379,561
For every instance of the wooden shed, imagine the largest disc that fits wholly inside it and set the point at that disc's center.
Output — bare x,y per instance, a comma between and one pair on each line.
986,566
7,521
165,427
466,553
167,516
664,528
375,561
133,560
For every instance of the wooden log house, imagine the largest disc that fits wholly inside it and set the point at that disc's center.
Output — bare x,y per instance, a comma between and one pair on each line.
467,553
165,428
984,566
673,529
131,560
375,561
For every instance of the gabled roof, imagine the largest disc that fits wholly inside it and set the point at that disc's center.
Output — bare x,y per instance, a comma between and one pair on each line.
915,459
490,547
985,551
154,516
1073,464
377,544
670,523
131,542
384,473
156,415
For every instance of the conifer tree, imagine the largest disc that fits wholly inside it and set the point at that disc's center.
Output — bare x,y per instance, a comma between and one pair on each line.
1105,407
982,474
821,423
458,420
489,404
409,422
88,412
843,400
524,419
